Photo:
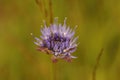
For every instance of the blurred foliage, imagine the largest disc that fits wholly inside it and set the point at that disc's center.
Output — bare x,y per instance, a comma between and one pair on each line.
98,27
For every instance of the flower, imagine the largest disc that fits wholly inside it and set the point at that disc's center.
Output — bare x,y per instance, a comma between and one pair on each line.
58,40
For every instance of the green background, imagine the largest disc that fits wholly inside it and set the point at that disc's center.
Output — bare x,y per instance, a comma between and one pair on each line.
98,27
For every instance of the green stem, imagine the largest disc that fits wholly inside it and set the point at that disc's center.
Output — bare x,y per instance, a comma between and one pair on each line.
54,70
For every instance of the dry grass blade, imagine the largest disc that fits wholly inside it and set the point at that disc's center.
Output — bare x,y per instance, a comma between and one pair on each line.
39,3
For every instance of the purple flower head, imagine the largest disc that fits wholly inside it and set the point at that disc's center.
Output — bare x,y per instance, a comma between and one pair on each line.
58,40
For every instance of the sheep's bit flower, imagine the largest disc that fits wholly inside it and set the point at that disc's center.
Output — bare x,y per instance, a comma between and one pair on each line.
58,40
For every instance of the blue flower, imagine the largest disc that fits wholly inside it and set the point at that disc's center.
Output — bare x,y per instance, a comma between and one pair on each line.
58,40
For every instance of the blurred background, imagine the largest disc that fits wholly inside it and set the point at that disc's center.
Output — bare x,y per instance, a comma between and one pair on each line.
98,27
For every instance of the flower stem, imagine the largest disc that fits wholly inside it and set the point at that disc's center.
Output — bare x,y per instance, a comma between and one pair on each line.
54,70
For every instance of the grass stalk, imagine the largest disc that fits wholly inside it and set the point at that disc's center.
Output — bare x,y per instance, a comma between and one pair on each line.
97,64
